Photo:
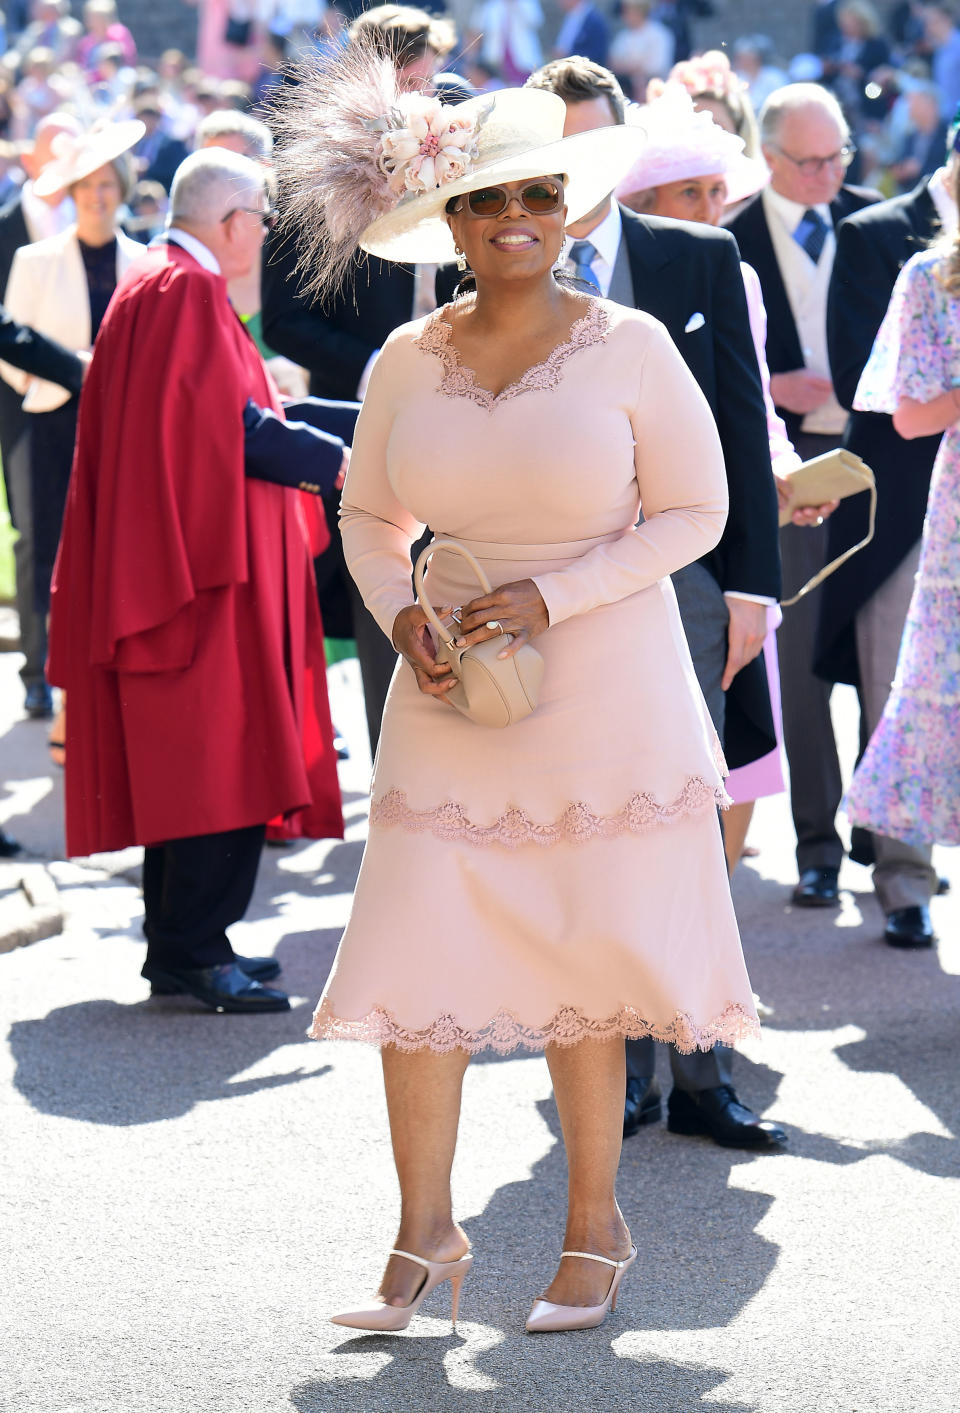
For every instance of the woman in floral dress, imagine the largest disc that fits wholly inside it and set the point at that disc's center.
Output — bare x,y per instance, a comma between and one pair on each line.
908,782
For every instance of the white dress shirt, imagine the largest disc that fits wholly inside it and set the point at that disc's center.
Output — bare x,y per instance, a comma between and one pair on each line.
605,239
806,284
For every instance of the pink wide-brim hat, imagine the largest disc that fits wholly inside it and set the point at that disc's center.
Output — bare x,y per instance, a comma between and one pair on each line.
77,157
684,143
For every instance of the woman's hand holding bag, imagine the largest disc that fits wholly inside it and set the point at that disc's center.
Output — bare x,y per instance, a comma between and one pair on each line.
489,673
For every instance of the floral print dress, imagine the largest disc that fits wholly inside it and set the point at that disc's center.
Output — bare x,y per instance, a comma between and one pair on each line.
907,785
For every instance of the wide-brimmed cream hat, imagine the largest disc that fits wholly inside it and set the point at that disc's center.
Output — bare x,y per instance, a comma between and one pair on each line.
518,135
76,157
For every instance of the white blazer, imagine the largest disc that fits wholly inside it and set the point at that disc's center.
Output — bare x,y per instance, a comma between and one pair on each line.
47,290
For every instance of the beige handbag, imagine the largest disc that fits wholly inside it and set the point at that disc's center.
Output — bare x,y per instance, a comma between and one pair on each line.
491,691
832,476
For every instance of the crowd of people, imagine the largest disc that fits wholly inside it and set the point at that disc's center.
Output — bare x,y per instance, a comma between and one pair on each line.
495,272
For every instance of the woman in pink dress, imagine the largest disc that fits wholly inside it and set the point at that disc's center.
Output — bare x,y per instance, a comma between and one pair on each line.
527,886
692,169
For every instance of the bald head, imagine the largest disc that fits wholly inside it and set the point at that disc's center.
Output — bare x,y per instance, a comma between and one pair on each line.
221,198
806,142
212,182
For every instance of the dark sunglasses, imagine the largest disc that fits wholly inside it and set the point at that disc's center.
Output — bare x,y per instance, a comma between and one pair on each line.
268,217
540,198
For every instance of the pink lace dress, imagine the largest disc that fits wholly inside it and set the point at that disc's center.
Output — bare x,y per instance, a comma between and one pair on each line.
563,878
907,785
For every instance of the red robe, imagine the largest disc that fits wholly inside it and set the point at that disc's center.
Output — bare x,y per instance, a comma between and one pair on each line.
184,619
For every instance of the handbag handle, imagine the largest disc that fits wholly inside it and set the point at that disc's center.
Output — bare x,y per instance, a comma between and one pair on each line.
419,569
835,564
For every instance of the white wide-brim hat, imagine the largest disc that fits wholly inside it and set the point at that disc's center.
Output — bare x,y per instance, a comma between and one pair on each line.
682,142
77,157
519,136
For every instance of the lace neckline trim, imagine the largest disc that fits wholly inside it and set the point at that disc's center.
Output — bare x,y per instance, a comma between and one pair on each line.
505,1031
460,381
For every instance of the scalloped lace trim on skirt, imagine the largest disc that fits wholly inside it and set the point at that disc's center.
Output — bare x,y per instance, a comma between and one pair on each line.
506,1032
576,824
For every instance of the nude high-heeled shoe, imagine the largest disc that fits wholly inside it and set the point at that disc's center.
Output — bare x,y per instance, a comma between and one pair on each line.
379,1316
545,1316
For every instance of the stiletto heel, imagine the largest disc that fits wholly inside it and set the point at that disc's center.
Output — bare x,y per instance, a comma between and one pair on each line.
545,1316
456,1285
379,1316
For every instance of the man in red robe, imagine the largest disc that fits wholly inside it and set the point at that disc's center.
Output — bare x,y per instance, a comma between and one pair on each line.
184,619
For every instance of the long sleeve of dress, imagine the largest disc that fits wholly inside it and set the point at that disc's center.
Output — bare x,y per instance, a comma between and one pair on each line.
377,531
683,491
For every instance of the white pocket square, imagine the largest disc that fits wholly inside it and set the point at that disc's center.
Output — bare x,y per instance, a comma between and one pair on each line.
695,322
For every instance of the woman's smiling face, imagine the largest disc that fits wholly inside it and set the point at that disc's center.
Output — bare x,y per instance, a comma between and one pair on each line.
523,235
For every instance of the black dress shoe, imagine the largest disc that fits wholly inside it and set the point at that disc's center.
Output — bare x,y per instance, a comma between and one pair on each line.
8,847
258,968
718,1114
223,988
643,1105
38,702
909,927
818,888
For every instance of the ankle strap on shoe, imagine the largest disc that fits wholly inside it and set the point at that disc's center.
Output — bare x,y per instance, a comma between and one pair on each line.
409,1256
589,1256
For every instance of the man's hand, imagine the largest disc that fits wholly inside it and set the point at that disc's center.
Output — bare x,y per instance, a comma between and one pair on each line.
748,628
344,468
800,391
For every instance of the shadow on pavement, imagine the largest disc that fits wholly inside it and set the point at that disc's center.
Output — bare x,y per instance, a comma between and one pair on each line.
517,1239
103,1063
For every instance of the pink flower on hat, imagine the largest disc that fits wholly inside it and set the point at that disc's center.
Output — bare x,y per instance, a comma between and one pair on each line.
426,145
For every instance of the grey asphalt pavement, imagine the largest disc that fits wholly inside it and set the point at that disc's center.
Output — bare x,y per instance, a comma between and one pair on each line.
185,1196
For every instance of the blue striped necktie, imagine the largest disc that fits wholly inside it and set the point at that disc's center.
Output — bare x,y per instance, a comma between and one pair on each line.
811,233
583,253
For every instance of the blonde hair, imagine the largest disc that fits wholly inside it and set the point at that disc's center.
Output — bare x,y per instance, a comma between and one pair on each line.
863,11
949,245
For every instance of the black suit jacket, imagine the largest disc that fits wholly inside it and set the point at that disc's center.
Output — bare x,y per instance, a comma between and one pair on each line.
679,270
334,343
13,234
872,248
37,355
752,233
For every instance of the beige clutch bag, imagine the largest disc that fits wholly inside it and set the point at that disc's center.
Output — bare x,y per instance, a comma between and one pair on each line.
491,691
832,476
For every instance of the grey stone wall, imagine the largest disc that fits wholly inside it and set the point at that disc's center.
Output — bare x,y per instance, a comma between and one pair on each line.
157,25
788,23
164,24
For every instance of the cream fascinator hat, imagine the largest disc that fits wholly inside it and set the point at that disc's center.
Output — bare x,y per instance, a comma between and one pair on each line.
76,157
683,143
364,165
